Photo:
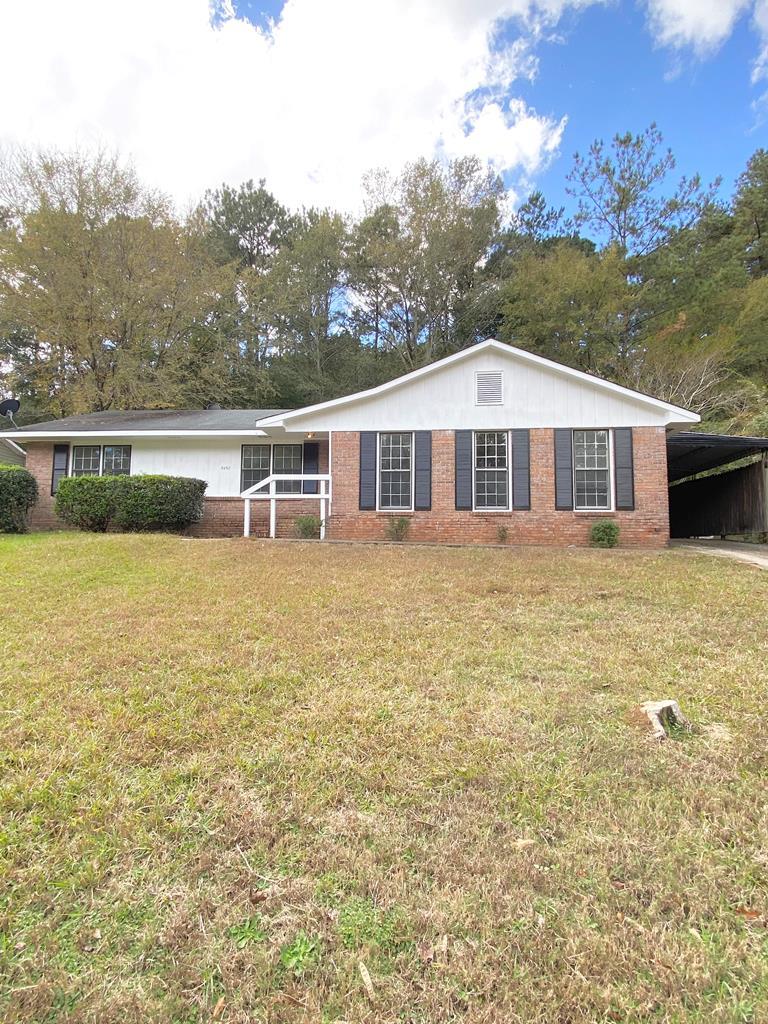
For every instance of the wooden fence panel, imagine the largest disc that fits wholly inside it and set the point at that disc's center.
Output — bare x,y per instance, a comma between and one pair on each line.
733,502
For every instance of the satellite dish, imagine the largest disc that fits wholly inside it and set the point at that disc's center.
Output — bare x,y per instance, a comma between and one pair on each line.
9,407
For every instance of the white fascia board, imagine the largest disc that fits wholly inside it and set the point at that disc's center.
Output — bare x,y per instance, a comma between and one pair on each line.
680,415
49,434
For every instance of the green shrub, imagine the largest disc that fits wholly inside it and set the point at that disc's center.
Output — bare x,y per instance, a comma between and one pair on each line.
604,534
18,493
397,528
158,502
88,502
132,503
308,527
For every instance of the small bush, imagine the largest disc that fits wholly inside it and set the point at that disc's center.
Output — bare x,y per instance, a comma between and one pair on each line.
502,533
158,502
397,528
87,502
132,503
18,493
604,534
308,527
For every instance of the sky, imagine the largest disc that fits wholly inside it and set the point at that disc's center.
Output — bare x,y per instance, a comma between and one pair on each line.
311,94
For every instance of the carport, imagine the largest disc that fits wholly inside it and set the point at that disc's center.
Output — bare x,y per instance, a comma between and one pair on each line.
729,502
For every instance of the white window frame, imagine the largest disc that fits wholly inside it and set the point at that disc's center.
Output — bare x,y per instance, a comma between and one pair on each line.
72,459
104,455
409,508
611,506
496,508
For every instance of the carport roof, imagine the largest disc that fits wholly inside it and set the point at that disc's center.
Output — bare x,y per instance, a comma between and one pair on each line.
690,452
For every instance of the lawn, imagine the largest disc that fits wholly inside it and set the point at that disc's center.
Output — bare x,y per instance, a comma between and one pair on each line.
254,782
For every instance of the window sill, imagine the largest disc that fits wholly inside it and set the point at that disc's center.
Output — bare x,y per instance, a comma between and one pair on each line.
599,513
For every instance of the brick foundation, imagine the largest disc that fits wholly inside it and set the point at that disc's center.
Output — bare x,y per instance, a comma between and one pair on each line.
647,526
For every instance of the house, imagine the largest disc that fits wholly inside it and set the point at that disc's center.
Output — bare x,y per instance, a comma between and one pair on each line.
489,437
11,454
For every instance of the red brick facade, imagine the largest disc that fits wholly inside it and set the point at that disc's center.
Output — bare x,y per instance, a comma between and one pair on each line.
647,526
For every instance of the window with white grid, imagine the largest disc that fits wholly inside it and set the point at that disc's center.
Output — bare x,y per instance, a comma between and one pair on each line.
395,490
86,460
255,464
288,458
591,469
117,460
491,469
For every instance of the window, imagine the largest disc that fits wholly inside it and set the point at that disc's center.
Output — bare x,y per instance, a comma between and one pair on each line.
492,469
288,458
117,460
489,387
86,460
591,469
395,477
255,465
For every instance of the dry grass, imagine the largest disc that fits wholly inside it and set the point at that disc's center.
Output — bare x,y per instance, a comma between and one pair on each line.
233,772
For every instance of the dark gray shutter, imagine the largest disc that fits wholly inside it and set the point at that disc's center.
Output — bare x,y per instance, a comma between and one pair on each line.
60,465
563,469
311,465
463,469
521,469
367,469
625,473
422,467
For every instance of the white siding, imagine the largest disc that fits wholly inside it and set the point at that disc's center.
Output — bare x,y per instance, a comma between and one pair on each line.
217,461
533,396
10,455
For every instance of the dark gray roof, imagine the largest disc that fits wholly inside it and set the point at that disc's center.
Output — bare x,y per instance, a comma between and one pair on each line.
153,419
690,451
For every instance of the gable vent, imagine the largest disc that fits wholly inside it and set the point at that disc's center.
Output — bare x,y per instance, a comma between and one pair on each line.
489,387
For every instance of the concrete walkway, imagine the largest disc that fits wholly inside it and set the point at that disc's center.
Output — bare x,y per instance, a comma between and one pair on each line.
754,554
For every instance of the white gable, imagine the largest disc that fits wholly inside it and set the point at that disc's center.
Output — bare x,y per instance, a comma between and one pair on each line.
491,386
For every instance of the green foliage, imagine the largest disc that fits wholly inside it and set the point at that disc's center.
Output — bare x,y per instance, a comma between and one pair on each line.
604,534
397,528
300,954
109,301
249,931
362,923
18,493
88,502
131,503
159,502
502,533
308,527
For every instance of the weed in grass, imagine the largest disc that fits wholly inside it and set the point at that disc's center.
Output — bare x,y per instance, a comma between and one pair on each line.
300,954
248,931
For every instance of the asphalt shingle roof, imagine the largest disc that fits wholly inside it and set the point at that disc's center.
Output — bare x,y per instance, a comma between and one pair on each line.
154,419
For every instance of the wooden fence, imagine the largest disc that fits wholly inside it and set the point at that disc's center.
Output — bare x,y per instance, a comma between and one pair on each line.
735,502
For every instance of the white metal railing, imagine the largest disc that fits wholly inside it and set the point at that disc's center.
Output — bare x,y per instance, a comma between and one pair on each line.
323,496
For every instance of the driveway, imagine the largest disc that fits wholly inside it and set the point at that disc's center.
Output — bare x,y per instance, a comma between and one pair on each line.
754,554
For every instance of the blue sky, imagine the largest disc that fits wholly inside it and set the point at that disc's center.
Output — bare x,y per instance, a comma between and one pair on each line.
602,68
312,94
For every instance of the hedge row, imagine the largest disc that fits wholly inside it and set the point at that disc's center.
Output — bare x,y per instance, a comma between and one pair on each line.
18,493
134,503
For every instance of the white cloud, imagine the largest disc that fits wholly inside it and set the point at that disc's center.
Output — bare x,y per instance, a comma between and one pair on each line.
701,24
330,90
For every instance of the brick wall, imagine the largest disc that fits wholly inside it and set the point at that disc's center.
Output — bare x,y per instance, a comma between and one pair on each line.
40,465
647,526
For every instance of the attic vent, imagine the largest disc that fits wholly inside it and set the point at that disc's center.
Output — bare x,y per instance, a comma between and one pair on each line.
489,387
